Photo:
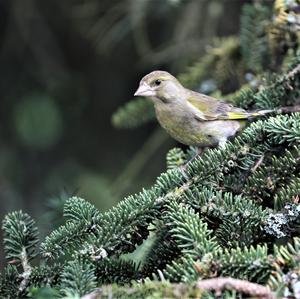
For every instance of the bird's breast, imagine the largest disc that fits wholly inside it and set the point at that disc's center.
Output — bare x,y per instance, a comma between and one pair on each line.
181,125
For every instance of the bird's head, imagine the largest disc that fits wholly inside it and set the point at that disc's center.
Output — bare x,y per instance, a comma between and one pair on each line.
160,85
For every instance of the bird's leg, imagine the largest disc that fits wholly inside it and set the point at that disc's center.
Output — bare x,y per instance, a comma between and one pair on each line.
198,151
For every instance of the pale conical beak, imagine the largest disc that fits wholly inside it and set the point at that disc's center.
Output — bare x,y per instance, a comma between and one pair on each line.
144,90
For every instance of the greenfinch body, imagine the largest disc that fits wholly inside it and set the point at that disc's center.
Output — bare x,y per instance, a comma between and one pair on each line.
190,117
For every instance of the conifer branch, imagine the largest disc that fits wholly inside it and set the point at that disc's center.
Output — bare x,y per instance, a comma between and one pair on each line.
294,71
243,286
26,270
20,240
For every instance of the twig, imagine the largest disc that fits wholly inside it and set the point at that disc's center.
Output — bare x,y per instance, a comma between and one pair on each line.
93,295
288,76
288,109
293,72
258,163
243,286
27,270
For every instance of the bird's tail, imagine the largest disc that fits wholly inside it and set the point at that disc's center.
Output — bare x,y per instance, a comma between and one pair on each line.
262,112
282,110
239,114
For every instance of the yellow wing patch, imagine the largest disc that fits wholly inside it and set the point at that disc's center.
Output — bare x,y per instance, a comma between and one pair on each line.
239,115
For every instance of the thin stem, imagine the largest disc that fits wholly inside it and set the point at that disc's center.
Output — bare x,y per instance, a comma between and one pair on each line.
27,270
243,286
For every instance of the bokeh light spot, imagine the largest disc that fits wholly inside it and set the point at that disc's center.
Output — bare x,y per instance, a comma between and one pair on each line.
38,121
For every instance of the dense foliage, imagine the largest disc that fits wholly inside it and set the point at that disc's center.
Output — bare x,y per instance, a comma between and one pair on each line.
234,211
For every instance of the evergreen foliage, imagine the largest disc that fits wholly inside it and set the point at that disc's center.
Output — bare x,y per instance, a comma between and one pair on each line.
20,236
254,39
223,214
175,158
285,276
10,281
116,271
78,278
162,252
134,113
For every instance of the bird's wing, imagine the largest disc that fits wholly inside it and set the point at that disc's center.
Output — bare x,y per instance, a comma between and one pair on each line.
209,108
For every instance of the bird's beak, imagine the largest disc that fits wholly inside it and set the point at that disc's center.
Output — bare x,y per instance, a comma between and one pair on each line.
144,90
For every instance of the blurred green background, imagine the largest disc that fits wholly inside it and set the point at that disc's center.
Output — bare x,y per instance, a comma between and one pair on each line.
65,67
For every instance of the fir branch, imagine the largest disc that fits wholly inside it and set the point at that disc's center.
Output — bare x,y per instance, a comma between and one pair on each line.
229,69
293,72
288,193
177,188
285,277
193,238
267,93
284,129
240,218
197,72
183,270
250,263
115,270
163,250
263,184
20,240
175,158
10,282
117,230
78,278
134,114
191,234
282,86
244,97
253,35
45,275
67,238
77,209
282,33
20,237
221,283
217,63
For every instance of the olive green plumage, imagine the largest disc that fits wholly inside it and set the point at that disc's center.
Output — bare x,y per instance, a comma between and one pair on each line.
190,117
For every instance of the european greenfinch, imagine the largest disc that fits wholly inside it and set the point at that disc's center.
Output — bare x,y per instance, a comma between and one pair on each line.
190,117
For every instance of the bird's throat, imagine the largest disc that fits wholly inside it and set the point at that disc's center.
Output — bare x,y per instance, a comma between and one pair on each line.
159,100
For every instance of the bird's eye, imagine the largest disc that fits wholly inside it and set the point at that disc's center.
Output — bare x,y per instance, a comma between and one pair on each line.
157,82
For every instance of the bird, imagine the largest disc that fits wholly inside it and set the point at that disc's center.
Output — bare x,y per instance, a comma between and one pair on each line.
192,118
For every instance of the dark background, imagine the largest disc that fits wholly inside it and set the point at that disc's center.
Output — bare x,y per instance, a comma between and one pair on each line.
65,67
